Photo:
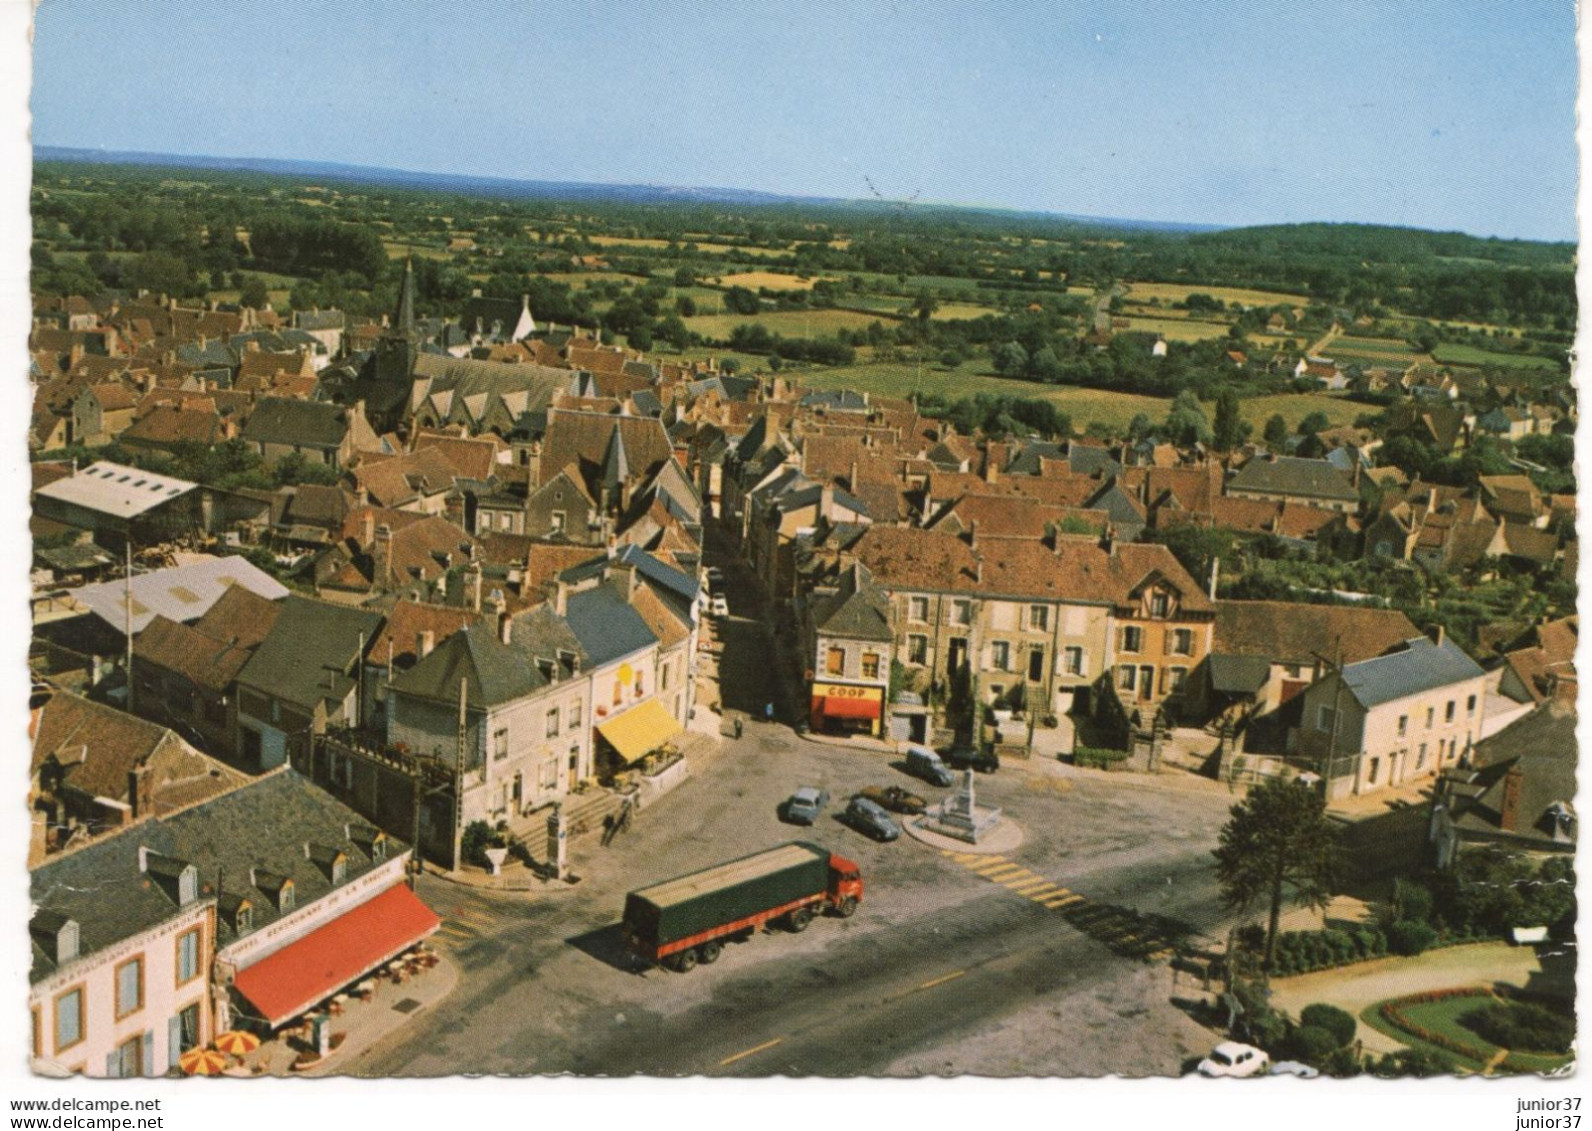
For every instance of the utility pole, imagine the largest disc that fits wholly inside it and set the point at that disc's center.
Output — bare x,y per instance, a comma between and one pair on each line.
127,618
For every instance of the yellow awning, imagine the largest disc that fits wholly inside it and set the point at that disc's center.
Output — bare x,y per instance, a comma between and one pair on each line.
639,730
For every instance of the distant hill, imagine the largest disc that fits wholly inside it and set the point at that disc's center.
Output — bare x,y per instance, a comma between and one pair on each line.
1376,243
512,188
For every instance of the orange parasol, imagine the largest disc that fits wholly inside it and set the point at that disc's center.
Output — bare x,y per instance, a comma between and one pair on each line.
237,1043
202,1062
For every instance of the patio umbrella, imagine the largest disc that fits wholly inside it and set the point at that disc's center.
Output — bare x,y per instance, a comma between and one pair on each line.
202,1062
237,1043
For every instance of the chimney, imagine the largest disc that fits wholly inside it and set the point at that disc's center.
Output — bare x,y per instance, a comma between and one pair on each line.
826,499
1436,634
505,625
381,554
991,470
1216,569
496,604
852,482
972,535
139,792
1509,812
425,641
472,586
367,524
561,598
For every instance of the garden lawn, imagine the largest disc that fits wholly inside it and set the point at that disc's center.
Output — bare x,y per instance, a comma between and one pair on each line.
1443,1017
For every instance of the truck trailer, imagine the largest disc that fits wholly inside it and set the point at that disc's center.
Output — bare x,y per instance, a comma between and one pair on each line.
686,920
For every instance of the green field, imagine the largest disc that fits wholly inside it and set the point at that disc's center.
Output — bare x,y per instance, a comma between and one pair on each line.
901,379
1451,354
1179,329
1179,292
788,323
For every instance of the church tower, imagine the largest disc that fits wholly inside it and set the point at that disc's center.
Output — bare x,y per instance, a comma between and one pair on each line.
399,347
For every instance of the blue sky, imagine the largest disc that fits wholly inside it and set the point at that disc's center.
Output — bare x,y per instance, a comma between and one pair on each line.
1443,115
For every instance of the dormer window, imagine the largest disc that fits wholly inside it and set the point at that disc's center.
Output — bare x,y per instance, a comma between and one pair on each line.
243,918
177,878
285,900
56,935
1159,604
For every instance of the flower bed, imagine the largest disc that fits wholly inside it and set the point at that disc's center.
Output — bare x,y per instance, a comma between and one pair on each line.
1414,1017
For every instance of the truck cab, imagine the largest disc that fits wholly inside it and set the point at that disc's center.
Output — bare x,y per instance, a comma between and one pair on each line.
845,885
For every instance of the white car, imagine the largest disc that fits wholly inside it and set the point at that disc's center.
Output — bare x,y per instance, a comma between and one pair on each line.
1233,1059
1294,1068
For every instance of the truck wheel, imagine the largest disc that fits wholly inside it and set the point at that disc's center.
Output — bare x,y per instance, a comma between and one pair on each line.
800,918
685,961
847,907
708,953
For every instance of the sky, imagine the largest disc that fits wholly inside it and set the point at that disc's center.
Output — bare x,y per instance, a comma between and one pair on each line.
1445,115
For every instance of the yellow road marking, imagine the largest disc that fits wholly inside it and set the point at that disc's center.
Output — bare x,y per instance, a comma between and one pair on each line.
1039,895
1064,901
941,979
993,865
750,1051
1001,875
1015,882
1028,887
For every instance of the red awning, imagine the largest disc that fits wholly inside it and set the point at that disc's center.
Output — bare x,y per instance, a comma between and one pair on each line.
851,708
289,981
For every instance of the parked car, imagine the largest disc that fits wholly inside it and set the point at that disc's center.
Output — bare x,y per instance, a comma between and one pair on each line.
718,606
964,756
803,806
866,817
926,764
1294,1068
895,799
715,579
1233,1059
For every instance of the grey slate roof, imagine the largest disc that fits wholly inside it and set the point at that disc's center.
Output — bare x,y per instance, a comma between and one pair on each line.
859,611
1239,675
498,673
606,626
1290,475
310,647
262,825
307,424
1420,665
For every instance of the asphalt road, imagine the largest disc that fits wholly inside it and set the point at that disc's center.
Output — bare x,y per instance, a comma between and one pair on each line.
937,953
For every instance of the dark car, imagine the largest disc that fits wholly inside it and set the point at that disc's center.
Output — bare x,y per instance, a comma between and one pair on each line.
895,799
805,804
715,579
866,817
964,756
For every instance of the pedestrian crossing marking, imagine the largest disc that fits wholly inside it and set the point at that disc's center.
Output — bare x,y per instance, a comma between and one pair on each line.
989,864
1124,930
1010,871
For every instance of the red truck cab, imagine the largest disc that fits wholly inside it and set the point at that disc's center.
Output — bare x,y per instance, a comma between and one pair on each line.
845,884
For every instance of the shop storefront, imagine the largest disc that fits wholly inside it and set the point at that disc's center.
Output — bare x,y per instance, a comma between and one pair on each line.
847,708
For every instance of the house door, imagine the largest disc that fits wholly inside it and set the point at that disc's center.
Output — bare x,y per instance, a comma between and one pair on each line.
955,654
574,770
519,791
1146,683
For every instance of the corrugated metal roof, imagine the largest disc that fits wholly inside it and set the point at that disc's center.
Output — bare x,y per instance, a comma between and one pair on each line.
116,489
182,593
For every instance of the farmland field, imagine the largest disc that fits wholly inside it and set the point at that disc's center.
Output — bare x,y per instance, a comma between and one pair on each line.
1451,354
1179,292
1117,409
773,280
790,323
1179,329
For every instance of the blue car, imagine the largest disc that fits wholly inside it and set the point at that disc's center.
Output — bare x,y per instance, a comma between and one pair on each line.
805,804
867,817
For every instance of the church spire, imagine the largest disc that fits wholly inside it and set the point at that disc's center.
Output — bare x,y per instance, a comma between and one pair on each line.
403,320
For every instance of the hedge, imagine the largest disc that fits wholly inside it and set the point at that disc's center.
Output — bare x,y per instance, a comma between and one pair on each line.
1095,758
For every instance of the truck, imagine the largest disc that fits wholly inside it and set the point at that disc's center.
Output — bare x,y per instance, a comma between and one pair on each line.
687,920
